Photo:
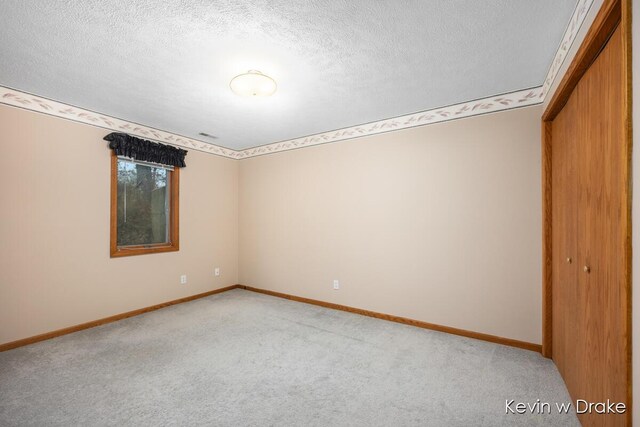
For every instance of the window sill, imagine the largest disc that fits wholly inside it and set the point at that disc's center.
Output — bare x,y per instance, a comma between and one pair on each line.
142,250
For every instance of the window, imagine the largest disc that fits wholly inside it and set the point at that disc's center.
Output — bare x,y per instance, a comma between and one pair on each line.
144,207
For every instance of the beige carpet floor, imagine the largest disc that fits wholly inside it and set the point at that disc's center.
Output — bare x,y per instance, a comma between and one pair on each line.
246,359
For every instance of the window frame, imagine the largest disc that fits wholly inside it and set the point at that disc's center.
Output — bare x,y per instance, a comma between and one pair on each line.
174,216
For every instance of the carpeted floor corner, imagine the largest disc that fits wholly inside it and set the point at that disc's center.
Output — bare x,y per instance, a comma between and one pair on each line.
246,359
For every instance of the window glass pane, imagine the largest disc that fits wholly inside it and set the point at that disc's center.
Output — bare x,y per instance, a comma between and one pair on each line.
143,204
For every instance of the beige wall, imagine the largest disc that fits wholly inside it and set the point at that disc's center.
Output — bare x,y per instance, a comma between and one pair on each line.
440,223
55,269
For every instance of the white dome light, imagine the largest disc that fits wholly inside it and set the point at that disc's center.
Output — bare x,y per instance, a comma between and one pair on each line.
253,84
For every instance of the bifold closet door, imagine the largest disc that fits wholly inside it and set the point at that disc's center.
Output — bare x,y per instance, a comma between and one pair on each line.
602,228
589,237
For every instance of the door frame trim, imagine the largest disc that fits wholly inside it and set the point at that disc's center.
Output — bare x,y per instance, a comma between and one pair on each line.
611,14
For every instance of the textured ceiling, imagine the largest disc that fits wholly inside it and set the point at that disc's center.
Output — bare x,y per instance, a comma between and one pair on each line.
338,63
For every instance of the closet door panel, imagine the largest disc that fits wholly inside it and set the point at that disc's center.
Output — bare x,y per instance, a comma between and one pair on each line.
564,241
601,233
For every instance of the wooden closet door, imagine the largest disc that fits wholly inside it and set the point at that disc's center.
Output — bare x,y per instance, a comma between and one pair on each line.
564,228
587,316
589,232
601,301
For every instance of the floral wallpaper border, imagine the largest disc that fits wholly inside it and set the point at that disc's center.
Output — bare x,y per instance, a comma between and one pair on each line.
466,109
579,14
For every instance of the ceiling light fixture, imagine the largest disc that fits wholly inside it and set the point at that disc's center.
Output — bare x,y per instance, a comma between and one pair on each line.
253,84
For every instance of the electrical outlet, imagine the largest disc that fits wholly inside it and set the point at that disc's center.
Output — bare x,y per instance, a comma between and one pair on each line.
336,284
217,271
183,279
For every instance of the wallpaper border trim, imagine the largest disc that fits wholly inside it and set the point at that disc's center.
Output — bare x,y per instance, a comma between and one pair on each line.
570,34
508,101
522,98
39,104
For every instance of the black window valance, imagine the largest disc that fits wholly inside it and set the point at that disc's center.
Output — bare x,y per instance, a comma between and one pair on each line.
145,151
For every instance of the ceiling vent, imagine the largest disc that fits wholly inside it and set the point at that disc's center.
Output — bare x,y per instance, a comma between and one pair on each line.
206,135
